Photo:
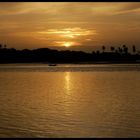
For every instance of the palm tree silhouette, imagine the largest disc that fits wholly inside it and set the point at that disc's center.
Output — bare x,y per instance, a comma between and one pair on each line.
134,48
103,48
125,49
112,49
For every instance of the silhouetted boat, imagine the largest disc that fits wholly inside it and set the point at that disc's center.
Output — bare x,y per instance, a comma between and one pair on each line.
52,65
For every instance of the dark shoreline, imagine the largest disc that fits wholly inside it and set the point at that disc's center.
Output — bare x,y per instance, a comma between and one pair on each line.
75,63
50,56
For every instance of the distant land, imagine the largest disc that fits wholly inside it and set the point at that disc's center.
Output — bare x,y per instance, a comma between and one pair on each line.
46,55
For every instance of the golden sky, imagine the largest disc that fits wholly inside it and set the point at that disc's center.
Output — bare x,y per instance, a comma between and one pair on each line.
72,25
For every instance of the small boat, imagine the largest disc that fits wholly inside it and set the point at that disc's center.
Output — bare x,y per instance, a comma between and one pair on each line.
52,64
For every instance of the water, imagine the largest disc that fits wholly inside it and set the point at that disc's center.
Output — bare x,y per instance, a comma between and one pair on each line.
69,100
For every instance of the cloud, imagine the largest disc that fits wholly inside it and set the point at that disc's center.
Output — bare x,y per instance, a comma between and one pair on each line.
62,36
129,8
69,32
66,8
82,22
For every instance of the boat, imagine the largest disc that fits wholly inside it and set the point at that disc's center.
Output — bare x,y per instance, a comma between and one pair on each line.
52,65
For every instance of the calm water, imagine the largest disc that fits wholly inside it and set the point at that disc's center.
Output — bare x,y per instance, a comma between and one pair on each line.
70,101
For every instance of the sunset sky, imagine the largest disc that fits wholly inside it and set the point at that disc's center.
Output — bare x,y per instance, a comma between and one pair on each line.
82,26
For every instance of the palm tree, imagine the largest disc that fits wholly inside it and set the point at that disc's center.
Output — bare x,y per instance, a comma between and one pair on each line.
125,49
134,48
103,48
112,48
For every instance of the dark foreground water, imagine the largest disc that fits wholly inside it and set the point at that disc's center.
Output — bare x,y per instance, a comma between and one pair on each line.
69,101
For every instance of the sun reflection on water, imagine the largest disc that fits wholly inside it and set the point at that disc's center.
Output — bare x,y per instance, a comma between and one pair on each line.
67,82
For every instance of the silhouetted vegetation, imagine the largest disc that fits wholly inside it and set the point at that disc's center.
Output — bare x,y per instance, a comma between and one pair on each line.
46,55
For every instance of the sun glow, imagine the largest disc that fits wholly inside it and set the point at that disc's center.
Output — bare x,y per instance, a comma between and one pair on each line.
66,37
68,44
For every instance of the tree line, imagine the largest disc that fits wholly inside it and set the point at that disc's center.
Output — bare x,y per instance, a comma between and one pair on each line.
46,55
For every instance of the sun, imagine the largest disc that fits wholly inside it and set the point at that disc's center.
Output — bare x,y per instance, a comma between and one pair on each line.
68,44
